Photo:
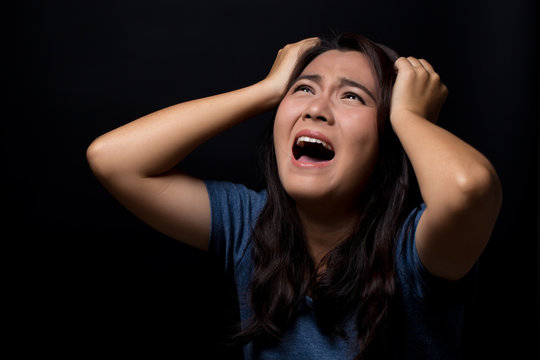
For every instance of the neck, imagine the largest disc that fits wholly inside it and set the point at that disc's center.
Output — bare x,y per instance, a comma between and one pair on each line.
325,228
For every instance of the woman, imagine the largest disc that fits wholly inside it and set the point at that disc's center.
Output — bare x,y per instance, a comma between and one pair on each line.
341,256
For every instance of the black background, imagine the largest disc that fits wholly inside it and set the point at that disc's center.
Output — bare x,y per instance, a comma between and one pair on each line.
82,275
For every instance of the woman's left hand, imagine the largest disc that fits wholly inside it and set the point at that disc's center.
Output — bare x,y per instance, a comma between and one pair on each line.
418,89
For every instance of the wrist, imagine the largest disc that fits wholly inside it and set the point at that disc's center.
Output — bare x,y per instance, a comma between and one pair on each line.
397,117
397,114
271,91
405,113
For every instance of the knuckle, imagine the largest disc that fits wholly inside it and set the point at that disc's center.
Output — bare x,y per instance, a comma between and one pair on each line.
444,89
421,73
407,73
400,60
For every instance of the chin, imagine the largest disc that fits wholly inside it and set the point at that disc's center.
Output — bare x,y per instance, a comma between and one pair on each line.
307,194
318,191
313,192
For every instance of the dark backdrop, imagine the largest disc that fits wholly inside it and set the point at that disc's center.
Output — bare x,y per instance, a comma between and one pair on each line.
84,276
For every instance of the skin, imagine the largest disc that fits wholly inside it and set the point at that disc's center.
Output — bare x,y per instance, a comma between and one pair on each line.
346,115
135,162
459,185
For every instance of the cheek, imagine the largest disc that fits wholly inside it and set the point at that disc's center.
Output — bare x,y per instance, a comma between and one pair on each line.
279,133
286,115
361,129
362,143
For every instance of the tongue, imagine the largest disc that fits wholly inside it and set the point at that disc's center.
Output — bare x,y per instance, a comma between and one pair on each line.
309,159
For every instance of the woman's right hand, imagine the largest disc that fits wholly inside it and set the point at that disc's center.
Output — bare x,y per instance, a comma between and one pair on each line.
136,162
280,73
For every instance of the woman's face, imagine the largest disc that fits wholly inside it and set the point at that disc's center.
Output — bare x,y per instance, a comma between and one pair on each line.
325,131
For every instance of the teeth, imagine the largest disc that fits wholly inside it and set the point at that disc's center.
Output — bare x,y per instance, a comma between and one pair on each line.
303,139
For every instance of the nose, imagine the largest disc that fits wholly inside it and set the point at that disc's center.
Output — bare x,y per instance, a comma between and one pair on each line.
319,109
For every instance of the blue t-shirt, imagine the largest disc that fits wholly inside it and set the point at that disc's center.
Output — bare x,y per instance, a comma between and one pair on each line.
430,309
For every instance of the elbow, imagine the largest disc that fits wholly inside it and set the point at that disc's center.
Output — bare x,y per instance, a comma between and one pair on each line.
96,155
478,187
110,162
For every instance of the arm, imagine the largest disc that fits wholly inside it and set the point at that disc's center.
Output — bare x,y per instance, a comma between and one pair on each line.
135,162
458,184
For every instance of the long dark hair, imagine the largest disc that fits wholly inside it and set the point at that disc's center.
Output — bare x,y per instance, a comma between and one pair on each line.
358,279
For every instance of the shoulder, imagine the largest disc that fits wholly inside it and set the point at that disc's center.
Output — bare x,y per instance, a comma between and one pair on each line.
234,212
407,260
415,278
226,196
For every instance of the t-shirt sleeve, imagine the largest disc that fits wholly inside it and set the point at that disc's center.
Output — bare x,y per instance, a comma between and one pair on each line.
234,212
419,280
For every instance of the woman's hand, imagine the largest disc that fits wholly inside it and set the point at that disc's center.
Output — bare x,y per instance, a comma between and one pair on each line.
418,89
284,64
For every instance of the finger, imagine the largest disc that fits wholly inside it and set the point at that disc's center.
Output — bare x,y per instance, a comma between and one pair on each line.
311,42
308,41
426,65
302,45
401,62
414,62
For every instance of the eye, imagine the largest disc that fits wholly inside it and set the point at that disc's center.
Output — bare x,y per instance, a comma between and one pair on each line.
303,88
353,96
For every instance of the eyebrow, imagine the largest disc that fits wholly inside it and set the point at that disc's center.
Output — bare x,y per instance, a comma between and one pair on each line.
343,81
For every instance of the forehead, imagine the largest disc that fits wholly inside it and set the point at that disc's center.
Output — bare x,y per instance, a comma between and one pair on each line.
335,64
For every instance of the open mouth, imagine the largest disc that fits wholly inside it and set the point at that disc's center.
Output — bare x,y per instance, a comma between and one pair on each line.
308,149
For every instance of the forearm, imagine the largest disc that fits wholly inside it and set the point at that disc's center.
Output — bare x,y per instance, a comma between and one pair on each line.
450,172
157,142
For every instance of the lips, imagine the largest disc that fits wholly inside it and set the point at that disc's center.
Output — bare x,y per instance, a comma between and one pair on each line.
312,148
